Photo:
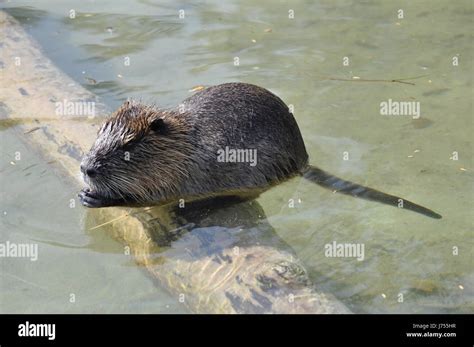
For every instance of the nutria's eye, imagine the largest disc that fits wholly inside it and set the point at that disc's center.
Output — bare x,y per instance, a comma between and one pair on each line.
158,125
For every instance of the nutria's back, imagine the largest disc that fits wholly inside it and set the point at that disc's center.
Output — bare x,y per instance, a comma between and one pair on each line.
243,116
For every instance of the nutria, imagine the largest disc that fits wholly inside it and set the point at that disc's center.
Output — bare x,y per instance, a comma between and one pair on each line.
147,156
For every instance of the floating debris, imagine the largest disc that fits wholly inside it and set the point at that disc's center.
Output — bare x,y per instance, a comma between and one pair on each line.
110,221
462,169
197,88
23,91
425,286
421,123
31,130
384,296
91,80
461,287
268,30
29,167
254,41
358,79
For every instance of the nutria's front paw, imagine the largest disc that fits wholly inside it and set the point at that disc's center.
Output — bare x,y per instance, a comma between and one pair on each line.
89,198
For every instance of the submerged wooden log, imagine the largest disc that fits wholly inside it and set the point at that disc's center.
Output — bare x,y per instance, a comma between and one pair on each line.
214,256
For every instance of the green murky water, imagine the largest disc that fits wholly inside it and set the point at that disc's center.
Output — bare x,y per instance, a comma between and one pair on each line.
405,253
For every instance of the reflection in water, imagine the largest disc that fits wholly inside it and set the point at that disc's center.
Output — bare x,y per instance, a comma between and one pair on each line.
221,255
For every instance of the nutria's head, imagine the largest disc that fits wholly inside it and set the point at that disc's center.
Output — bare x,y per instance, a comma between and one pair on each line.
139,155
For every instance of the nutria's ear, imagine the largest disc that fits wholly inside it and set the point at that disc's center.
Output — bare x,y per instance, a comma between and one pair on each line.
158,125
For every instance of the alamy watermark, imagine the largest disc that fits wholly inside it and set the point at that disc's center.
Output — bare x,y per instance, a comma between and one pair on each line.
345,250
19,250
28,329
75,108
400,108
237,155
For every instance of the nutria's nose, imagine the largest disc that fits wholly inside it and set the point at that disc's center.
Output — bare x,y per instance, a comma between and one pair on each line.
91,172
